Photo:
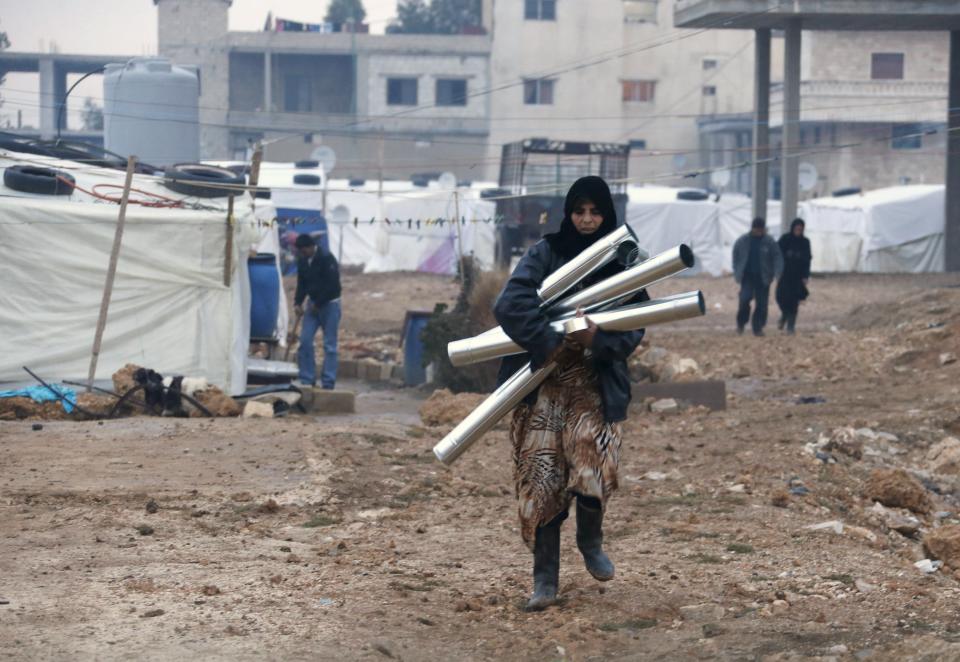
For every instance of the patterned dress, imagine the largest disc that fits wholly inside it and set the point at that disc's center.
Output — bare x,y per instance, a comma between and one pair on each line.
562,446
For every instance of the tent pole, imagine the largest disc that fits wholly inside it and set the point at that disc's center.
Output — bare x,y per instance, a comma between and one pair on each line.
228,245
456,208
111,271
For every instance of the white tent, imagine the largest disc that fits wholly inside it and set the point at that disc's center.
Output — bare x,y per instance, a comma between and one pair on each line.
170,309
896,229
661,221
419,235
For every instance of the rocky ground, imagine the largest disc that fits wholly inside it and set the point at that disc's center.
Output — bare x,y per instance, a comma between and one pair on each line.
748,534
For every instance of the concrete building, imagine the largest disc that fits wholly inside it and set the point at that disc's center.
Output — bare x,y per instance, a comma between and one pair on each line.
763,16
614,71
880,94
395,103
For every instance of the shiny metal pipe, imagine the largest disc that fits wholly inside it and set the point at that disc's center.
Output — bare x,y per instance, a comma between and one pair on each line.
608,291
489,412
620,244
495,344
629,281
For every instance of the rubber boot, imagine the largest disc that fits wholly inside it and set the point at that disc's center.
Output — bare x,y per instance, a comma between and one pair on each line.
546,567
590,540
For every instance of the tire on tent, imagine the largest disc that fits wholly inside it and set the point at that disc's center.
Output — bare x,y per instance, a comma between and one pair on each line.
202,181
692,194
850,190
34,179
309,180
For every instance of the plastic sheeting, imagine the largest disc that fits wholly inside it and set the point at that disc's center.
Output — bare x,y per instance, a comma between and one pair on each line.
897,229
661,221
170,309
403,244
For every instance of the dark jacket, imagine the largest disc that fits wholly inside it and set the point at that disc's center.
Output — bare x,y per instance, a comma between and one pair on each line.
796,268
518,312
771,262
318,278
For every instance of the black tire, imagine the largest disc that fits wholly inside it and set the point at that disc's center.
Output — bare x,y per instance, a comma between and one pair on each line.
14,143
33,179
850,190
306,164
309,180
86,153
494,193
692,194
203,181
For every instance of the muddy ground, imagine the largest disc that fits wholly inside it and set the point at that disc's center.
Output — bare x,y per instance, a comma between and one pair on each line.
341,538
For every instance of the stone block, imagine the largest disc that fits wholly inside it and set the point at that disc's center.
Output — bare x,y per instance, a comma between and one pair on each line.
346,369
322,401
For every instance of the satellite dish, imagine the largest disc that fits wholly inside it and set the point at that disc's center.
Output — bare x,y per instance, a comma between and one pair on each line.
340,215
720,178
808,176
326,156
447,181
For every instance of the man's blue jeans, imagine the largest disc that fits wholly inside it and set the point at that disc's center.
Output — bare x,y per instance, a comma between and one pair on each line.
326,317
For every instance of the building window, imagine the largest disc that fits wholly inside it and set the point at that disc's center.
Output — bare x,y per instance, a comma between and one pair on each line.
709,90
540,10
638,144
709,63
907,136
297,97
451,92
401,91
640,11
538,92
886,66
639,90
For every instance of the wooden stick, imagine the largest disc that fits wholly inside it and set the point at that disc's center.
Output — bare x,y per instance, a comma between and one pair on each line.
456,207
255,169
228,245
111,272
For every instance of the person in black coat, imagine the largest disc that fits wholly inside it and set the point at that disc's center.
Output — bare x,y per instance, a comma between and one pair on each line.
566,435
792,287
318,279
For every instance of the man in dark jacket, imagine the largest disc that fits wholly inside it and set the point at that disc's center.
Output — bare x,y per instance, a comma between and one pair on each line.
757,262
318,278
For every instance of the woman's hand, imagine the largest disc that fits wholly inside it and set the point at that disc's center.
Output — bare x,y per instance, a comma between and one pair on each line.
584,337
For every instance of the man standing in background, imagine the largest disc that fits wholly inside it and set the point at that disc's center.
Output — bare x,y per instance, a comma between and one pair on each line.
318,278
757,262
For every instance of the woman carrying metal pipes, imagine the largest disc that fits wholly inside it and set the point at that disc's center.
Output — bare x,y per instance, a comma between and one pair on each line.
566,435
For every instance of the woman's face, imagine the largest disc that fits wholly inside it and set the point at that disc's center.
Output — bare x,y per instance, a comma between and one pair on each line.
586,217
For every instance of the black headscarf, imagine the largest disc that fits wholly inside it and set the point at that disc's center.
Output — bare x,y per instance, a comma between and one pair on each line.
568,242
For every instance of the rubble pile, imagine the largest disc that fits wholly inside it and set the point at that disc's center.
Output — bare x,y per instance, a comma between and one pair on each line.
655,364
444,407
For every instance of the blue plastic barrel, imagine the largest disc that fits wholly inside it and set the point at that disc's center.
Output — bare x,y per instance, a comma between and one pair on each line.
264,295
414,372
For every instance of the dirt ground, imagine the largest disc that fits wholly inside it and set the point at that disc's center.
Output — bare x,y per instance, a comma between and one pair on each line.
341,537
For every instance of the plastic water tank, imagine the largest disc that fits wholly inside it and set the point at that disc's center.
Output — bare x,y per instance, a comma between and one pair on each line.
151,110
264,295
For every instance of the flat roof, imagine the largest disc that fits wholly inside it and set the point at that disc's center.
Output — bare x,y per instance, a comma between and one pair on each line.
73,63
819,14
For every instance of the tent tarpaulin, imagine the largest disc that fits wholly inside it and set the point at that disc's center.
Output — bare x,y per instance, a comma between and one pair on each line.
661,221
896,229
170,309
